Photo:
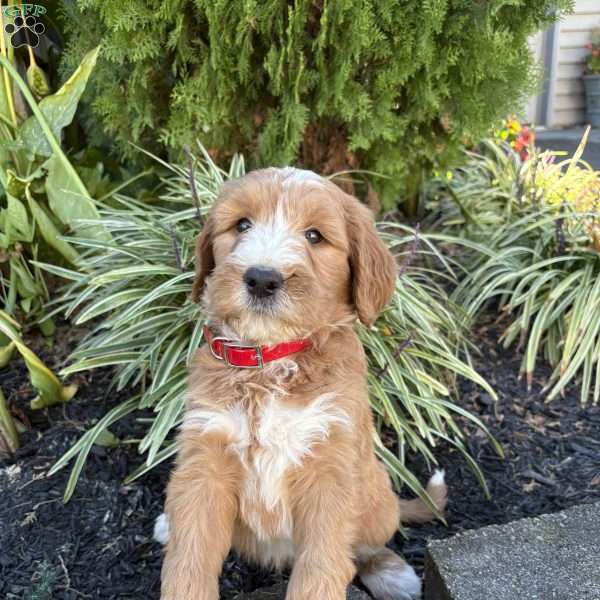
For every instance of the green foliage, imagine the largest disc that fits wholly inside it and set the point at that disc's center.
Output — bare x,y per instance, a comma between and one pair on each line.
135,291
50,390
42,194
538,256
44,581
9,436
474,200
382,86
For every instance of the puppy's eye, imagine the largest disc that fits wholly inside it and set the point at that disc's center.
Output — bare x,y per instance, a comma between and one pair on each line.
243,225
313,236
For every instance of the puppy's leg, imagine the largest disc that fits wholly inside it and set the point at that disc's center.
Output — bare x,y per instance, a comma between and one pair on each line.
380,507
324,526
384,573
201,507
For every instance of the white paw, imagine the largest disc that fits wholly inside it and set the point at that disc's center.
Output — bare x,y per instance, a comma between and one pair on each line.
161,529
394,584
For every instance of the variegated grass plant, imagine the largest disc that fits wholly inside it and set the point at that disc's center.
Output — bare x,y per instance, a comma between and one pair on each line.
536,223
134,293
477,198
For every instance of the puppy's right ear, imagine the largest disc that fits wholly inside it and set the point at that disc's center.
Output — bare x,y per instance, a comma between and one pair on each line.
205,260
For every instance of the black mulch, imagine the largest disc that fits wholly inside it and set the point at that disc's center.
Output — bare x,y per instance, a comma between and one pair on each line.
100,544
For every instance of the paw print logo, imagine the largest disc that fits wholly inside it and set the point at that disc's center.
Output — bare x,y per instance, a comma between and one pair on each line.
25,31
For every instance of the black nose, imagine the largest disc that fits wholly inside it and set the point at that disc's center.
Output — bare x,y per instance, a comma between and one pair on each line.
262,282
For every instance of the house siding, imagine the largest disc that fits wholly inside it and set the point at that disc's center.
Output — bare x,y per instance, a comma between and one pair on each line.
574,31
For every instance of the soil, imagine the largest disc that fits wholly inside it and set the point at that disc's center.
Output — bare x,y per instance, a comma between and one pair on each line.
100,545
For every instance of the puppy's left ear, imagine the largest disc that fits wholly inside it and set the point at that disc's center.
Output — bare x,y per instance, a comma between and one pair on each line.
372,265
205,260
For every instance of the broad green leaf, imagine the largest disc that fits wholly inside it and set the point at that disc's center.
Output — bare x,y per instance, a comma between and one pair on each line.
27,285
50,232
58,108
69,200
16,221
50,390
68,197
7,425
6,353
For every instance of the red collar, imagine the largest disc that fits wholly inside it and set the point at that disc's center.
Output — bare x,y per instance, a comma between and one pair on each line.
236,354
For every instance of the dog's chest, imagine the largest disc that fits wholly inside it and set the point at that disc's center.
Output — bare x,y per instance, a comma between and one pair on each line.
264,501
278,440
271,438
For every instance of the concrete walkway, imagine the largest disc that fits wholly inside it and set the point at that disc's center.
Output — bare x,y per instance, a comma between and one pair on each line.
568,140
552,557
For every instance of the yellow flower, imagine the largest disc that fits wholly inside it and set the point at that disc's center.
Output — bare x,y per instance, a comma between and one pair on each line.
514,125
572,182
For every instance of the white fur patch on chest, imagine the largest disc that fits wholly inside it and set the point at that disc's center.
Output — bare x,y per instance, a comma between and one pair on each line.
269,443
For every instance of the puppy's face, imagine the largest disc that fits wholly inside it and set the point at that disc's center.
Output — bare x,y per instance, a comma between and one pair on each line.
286,252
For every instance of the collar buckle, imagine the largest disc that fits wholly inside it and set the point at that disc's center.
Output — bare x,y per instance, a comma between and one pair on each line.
227,344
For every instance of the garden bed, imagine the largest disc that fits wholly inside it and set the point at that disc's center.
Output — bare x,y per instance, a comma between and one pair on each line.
100,544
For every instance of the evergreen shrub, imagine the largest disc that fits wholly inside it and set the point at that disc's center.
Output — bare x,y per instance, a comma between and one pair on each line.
383,86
